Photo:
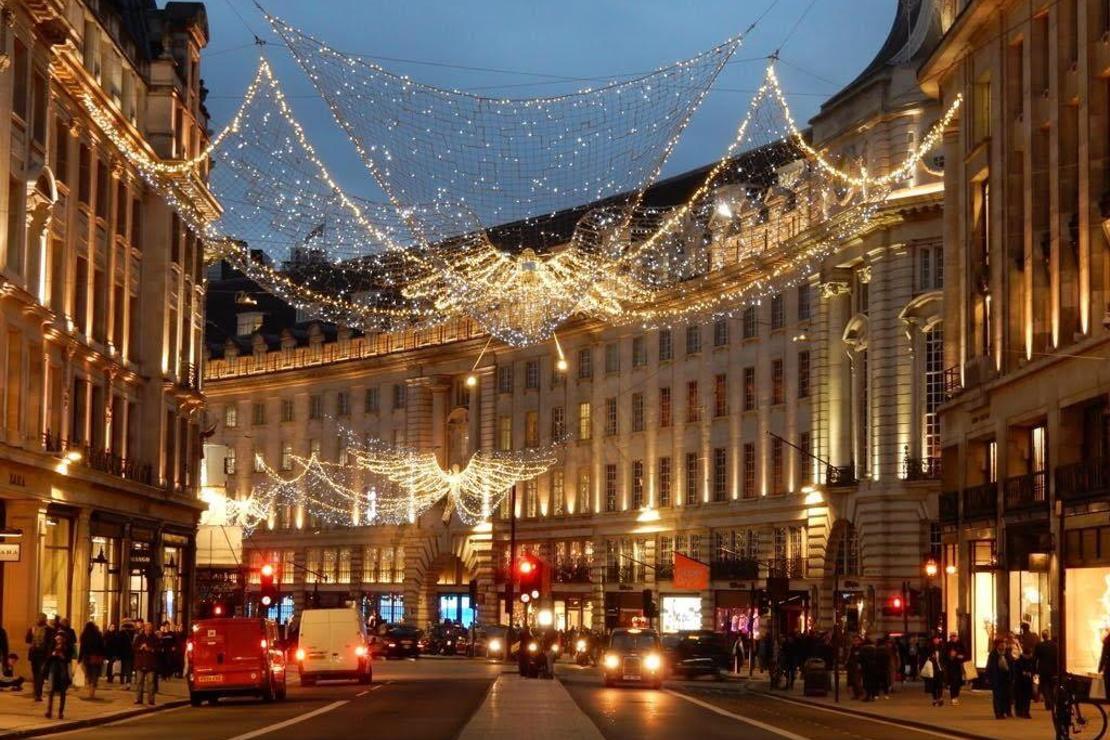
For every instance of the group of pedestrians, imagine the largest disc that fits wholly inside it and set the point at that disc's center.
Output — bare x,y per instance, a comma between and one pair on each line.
1017,668
136,653
872,668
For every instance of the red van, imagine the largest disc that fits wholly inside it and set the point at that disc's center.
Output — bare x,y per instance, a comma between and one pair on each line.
235,656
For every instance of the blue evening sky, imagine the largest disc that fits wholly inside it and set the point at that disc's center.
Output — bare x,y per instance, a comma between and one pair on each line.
579,38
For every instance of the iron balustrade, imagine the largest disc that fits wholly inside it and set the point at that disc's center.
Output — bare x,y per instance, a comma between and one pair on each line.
1083,480
949,502
840,476
734,568
100,460
951,382
1028,491
921,468
791,567
981,502
572,572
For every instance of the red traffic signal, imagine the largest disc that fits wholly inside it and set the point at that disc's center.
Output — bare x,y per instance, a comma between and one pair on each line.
217,610
269,594
267,570
529,572
894,606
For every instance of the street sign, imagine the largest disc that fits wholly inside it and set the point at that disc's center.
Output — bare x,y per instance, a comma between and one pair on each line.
9,552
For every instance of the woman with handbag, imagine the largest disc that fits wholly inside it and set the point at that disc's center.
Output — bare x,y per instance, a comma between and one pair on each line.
57,671
932,670
954,657
92,655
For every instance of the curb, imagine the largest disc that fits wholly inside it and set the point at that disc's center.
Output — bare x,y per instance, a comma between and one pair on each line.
93,721
869,715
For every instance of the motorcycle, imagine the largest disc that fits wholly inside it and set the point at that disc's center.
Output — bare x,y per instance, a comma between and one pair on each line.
583,656
537,664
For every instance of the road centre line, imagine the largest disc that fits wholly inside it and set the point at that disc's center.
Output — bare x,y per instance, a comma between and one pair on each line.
747,720
295,720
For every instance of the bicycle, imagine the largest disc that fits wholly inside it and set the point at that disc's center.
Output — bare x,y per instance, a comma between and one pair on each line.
1075,714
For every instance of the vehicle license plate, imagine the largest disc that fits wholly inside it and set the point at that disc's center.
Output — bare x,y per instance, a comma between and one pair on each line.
631,677
212,678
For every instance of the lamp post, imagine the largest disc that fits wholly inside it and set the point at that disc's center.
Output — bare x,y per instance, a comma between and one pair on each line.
931,570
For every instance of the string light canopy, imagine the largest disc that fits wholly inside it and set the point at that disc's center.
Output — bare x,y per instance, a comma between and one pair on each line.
377,483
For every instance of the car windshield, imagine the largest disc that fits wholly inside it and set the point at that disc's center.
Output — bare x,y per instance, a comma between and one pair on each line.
403,632
633,641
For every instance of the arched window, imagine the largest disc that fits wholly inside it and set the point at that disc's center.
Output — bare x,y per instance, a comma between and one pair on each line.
933,391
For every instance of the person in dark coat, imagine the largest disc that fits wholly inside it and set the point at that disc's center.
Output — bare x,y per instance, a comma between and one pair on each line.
1046,656
869,667
954,657
111,644
40,641
91,655
934,657
1024,668
1000,673
125,648
146,649
57,669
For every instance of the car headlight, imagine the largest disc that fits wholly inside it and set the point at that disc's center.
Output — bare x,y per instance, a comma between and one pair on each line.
300,654
533,647
581,646
612,662
393,644
555,648
495,646
653,662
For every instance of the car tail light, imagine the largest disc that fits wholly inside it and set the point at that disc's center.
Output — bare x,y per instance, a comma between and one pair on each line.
189,646
360,651
263,644
300,654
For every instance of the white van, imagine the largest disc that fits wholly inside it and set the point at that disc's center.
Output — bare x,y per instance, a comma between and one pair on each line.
332,644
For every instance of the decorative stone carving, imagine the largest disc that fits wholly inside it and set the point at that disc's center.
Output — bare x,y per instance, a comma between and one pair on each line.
833,288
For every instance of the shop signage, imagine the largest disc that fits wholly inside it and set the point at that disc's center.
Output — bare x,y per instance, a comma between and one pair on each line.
690,574
9,552
140,555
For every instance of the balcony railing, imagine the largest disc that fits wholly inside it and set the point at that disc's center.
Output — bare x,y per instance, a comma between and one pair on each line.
1026,492
793,567
840,476
104,461
951,382
664,572
949,502
189,376
1083,480
921,468
981,502
624,574
734,568
573,572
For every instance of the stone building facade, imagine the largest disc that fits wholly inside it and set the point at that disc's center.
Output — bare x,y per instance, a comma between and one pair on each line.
1025,434
101,311
795,441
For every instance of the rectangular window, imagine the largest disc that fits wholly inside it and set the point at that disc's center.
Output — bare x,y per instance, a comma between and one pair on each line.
720,474
585,491
666,349
803,375
258,413
400,396
101,189
693,340
259,461
343,403
16,225
585,423
612,357
637,412
532,375
531,499
231,416
930,269
749,470
693,403
777,483
805,462
585,363
505,433
558,423
136,222
558,494
934,391
344,574
637,485
805,306
749,389
370,402
751,330
315,406
610,417
229,461
20,67
664,407
691,478
720,395
720,332
639,352
370,564
39,100
610,487
84,174
778,391
286,409
778,311
531,428
664,481
61,150
505,379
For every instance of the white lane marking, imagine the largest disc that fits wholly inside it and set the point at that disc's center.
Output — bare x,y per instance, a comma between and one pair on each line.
740,718
124,721
860,715
295,720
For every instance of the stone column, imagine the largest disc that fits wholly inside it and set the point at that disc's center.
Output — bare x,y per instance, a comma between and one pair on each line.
79,606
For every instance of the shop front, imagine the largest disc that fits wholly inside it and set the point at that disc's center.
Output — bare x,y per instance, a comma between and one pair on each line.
382,608
1087,596
984,599
106,541
737,613
1027,559
679,612
572,612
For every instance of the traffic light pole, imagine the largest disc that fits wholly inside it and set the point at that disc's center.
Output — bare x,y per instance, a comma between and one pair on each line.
512,561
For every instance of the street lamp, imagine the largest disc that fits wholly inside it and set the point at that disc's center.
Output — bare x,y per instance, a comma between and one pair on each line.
931,570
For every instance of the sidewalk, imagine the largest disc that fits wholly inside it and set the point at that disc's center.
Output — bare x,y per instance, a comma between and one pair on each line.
528,707
910,705
22,716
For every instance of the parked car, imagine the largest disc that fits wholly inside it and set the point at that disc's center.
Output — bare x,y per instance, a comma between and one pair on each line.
235,656
633,656
692,653
397,641
333,644
490,642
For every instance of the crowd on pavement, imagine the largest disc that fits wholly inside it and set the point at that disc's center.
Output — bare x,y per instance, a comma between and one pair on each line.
137,653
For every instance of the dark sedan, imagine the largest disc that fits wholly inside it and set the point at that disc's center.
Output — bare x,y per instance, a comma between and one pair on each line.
695,653
398,641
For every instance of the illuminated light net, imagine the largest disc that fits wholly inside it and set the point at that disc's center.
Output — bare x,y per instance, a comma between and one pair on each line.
377,483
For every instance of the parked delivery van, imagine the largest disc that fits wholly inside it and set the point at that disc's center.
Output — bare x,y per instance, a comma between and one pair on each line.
333,644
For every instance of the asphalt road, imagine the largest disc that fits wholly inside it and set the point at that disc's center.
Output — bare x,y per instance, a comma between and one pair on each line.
433,699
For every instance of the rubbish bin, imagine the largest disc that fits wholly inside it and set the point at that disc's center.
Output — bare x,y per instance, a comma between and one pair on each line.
816,679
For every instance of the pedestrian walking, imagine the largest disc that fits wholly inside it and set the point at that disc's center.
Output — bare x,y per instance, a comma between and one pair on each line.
40,641
869,667
954,657
932,670
91,656
1000,673
57,670
1024,669
111,643
854,670
146,649
1046,656
1027,638
126,649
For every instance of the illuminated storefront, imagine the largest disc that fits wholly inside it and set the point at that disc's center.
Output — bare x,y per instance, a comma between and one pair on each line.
457,608
680,613
572,612
984,603
57,566
1087,596
104,581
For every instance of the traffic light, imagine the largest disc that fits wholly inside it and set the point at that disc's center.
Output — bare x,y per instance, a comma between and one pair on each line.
529,573
268,594
650,612
212,609
894,606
